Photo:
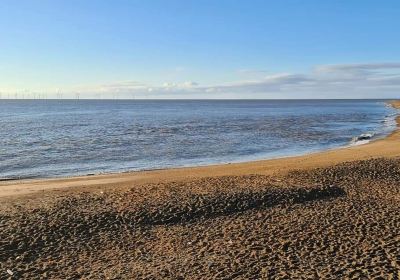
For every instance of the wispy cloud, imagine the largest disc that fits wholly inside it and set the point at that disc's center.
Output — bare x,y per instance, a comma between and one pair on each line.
124,86
372,80
270,83
368,80
358,66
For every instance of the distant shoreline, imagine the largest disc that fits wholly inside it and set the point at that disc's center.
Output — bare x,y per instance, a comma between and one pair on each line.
383,147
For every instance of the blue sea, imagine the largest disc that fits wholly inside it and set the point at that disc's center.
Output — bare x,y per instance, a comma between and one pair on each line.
51,138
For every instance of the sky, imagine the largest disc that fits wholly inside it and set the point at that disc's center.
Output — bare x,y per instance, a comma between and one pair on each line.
199,49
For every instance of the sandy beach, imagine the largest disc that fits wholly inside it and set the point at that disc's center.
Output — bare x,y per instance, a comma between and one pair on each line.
387,147
327,215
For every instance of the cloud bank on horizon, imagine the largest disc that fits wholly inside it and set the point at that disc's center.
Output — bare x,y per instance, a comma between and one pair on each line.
361,80
368,80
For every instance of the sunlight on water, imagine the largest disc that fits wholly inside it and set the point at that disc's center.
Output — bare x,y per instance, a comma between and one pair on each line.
60,138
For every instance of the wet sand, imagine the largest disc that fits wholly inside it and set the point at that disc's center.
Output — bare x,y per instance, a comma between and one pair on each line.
330,215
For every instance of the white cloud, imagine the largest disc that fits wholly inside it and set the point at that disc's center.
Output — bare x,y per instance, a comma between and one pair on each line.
373,80
190,84
179,86
368,80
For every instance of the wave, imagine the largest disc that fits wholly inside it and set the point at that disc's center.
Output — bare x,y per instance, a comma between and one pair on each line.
362,139
389,124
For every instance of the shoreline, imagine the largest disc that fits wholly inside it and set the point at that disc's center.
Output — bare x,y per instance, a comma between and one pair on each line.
194,223
382,147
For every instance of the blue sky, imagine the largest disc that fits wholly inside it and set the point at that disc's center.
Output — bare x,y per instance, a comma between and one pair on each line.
200,49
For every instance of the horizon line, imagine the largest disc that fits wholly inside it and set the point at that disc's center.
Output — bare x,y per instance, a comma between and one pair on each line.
188,99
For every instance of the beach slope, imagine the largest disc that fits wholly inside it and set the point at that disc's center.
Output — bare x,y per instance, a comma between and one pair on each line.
330,215
388,147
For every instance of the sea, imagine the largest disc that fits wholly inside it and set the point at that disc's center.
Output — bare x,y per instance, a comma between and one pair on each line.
61,138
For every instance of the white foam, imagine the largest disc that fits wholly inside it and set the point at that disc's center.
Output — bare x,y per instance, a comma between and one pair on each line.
359,142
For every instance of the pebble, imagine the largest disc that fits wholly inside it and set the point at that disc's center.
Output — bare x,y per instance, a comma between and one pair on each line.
341,221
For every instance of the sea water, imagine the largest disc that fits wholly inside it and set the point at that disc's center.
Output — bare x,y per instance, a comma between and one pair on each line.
50,138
